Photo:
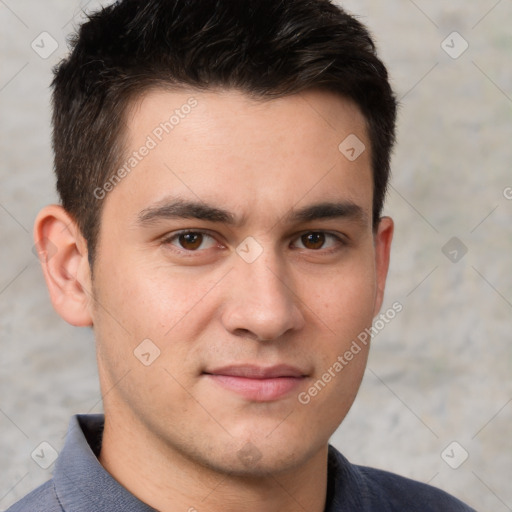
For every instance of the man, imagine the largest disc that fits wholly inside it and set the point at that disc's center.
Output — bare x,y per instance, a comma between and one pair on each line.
222,167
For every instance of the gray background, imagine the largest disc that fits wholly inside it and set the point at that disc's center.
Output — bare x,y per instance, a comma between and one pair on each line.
439,372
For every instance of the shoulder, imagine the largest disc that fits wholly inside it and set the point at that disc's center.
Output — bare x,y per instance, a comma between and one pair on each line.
41,499
400,492
378,490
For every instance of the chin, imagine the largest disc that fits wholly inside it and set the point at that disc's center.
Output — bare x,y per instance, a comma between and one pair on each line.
261,457
252,462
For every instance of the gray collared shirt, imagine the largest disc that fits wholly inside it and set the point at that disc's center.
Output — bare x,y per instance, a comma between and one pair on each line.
81,484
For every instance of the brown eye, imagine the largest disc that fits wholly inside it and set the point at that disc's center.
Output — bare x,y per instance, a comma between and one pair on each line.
190,241
320,241
193,241
313,240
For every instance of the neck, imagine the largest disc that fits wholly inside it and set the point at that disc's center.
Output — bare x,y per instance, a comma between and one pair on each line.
169,481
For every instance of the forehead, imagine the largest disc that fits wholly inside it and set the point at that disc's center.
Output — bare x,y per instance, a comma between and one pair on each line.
308,114
224,147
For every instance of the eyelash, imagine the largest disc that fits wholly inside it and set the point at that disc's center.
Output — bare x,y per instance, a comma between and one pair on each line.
340,242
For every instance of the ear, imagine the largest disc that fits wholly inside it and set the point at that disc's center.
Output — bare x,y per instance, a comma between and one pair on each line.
63,253
382,242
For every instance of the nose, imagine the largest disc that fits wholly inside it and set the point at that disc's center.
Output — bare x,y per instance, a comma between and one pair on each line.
261,303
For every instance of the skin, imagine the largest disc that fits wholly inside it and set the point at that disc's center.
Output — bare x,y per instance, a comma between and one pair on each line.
173,436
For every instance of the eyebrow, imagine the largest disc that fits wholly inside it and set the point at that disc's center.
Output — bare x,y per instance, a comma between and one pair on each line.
327,210
180,208
176,208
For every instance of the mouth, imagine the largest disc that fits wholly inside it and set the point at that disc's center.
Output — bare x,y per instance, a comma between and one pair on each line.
258,383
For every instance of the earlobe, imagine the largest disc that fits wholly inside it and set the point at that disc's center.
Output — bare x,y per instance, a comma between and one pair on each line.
383,239
62,252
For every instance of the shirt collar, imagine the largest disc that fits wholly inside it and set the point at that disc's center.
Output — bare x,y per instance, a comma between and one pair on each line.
81,482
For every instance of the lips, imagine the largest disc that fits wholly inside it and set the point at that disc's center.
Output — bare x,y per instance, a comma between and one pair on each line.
258,383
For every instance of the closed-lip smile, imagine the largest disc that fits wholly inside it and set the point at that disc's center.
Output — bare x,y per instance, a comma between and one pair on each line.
258,383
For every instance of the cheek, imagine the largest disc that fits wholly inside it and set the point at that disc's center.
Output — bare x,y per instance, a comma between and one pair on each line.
144,298
133,307
169,306
345,310
345,300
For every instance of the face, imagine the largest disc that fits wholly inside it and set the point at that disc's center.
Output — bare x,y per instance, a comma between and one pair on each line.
236,262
